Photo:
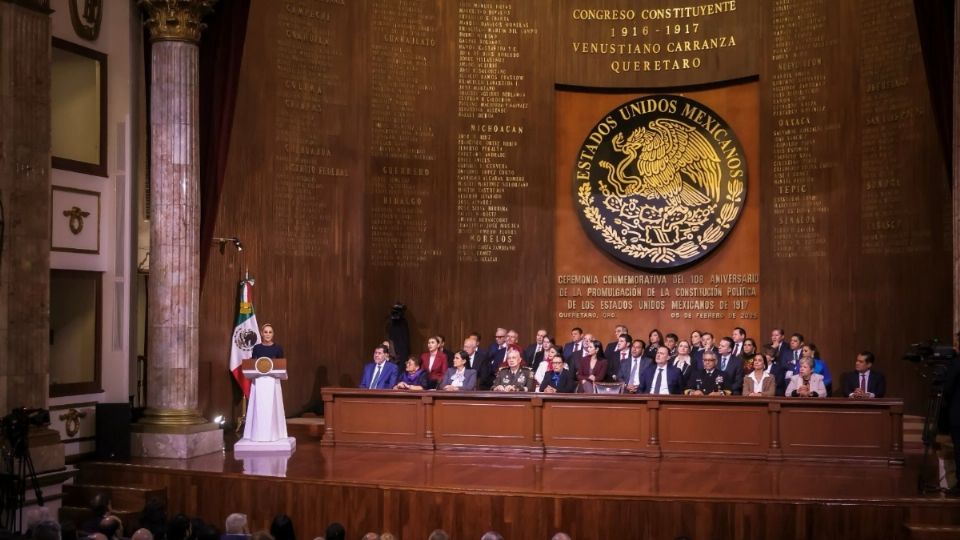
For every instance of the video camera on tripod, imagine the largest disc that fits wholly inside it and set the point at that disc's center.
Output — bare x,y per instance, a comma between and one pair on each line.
17,465
932,358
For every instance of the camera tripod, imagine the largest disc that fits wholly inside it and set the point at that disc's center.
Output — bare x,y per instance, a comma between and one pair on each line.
13,485
930,429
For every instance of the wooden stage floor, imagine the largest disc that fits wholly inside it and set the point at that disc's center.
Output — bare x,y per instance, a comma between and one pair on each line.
412,492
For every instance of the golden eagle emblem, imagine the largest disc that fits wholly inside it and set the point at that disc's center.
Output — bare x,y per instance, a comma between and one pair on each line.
660,181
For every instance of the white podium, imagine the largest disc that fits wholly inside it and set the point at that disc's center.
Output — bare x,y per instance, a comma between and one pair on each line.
265,430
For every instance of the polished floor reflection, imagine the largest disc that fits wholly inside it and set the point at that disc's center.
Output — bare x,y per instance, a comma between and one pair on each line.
574,475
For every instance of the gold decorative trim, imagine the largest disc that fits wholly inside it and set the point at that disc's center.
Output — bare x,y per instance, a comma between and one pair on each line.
71,421
175,20
158,420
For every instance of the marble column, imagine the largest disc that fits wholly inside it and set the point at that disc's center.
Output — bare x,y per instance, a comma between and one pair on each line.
172,425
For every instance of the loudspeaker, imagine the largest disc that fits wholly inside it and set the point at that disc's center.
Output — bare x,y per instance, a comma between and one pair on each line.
113,430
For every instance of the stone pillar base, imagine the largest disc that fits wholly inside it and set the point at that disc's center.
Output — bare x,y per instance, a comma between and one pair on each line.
200,440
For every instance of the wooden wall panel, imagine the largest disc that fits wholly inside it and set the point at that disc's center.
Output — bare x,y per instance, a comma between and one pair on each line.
293,194
857,233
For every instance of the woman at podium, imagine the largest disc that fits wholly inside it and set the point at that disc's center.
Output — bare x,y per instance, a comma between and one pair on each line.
266,420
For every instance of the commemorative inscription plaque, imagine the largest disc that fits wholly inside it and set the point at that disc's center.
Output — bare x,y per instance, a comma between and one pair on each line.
660,182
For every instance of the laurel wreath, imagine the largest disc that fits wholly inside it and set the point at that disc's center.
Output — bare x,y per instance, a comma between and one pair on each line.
664,254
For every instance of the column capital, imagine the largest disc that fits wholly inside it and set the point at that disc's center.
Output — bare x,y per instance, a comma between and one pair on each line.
175,20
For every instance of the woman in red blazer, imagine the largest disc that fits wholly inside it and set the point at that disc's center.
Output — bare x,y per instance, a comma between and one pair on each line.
434,362
591,369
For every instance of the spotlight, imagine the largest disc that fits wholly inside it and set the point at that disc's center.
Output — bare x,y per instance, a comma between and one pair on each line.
218,420
237,243
222,242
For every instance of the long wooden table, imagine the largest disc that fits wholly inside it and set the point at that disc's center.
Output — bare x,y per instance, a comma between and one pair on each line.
828,429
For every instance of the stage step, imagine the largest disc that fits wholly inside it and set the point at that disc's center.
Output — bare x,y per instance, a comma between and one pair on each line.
308,425
126,502
912,434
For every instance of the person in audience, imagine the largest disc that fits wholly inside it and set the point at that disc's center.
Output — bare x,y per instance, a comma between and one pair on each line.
863,382
459,377
671,340
775,369
614,345
438,534
414,377
661,377
807,383
633,367
561,536
591,369
335,531
153,517
388,536
576,336
99,507
499,341
730,365
179,528
779,345
515,377
695,344
792,365
475,357
546,365
235,527
447,353
434,362
371,536
708,380
111,527
540,355
392,353
493,535
534,348
144,534
809,350
758,382
34,515
205,531
618,356
654,342
558,379
739,336
706,344
379,374
683,361
513,341
748,351
46,530
281,528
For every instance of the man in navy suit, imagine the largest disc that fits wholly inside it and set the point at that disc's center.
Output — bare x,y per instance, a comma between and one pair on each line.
534,348
864,382
379,374
706,344
731,365
631,368
662,377
576,336
613,347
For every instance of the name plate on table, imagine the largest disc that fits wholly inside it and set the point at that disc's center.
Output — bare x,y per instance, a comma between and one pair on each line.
259,367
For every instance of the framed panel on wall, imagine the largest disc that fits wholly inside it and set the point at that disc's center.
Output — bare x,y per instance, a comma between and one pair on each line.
75,328
78,108
74,220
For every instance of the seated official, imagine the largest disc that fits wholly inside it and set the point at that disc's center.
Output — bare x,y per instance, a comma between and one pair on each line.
809,350
414,377
864,382
758,382
709,380
775,369
558,379
683,361
661,377
515,377
459,377
748,351
633,366
434,362
546,366
379,374
807,383
591,369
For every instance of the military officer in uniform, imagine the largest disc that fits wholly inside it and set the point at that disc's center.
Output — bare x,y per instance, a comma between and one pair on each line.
514,377
708,381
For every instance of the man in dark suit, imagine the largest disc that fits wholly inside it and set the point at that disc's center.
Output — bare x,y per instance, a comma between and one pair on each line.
614,345
779,346
661,377
499,341
558,380
379,374
619,355
864,382
573,361
708,380
706,344
534,348
475,357
730,365
574,344
631,368
738,335
792,365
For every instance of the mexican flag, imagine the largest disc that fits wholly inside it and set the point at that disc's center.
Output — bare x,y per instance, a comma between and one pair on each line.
246,334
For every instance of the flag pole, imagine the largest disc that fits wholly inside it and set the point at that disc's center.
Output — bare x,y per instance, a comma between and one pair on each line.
242,419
